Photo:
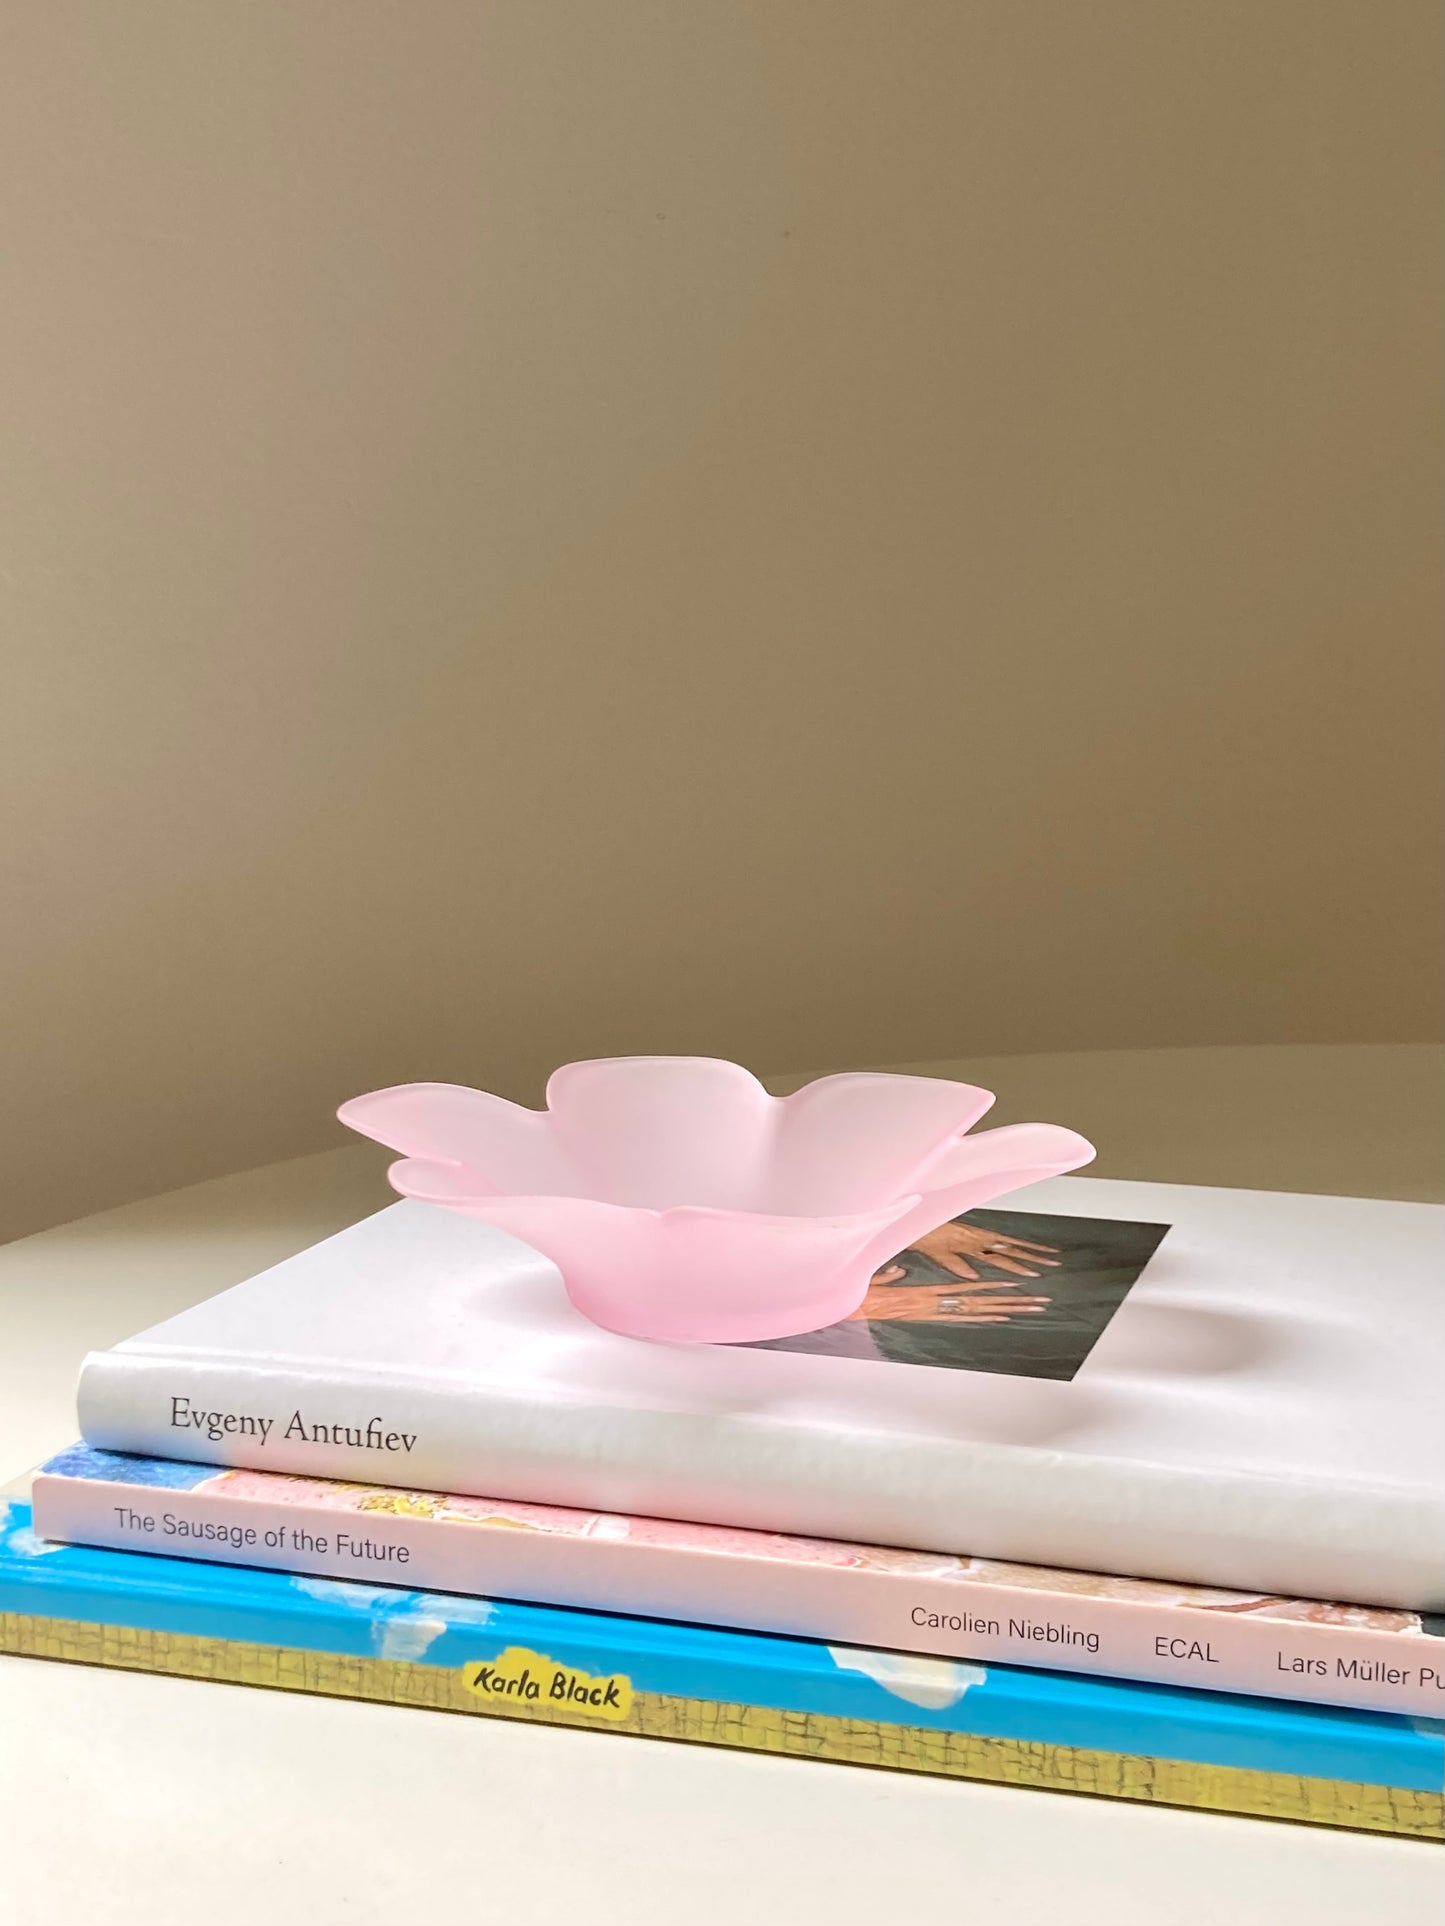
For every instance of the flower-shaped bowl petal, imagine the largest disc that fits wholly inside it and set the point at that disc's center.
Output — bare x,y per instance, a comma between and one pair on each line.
680,1201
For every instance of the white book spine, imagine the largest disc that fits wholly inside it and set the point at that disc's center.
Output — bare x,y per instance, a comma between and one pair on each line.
762,1470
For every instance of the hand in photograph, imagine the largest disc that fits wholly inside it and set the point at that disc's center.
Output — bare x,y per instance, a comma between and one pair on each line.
942,1303
953,1244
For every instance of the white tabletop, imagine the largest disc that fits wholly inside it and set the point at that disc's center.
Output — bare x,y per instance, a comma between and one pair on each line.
126,1797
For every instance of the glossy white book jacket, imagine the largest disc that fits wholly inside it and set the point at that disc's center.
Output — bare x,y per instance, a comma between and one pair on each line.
1259,1413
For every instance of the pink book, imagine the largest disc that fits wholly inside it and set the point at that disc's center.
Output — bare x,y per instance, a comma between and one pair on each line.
909,1601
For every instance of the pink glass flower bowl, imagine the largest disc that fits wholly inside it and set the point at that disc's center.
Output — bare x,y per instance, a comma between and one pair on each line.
680,1201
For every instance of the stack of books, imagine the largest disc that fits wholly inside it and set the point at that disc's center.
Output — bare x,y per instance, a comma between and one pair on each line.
1064,1507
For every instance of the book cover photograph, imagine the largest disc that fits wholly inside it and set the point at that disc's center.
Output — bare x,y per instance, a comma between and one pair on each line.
1018,1292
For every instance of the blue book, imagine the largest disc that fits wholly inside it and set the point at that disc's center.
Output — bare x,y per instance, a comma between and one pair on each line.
1379,1771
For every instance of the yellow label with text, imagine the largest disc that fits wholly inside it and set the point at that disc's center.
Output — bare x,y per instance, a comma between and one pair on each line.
532,1679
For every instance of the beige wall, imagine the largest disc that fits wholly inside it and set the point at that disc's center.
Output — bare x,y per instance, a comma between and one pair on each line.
841,531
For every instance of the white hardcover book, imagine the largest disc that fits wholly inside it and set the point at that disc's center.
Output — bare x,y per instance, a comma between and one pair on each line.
1258,1411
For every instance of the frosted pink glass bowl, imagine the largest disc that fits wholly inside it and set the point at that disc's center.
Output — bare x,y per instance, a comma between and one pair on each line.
680,1201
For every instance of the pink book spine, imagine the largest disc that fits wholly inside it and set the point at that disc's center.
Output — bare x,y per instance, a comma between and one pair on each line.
842,1594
